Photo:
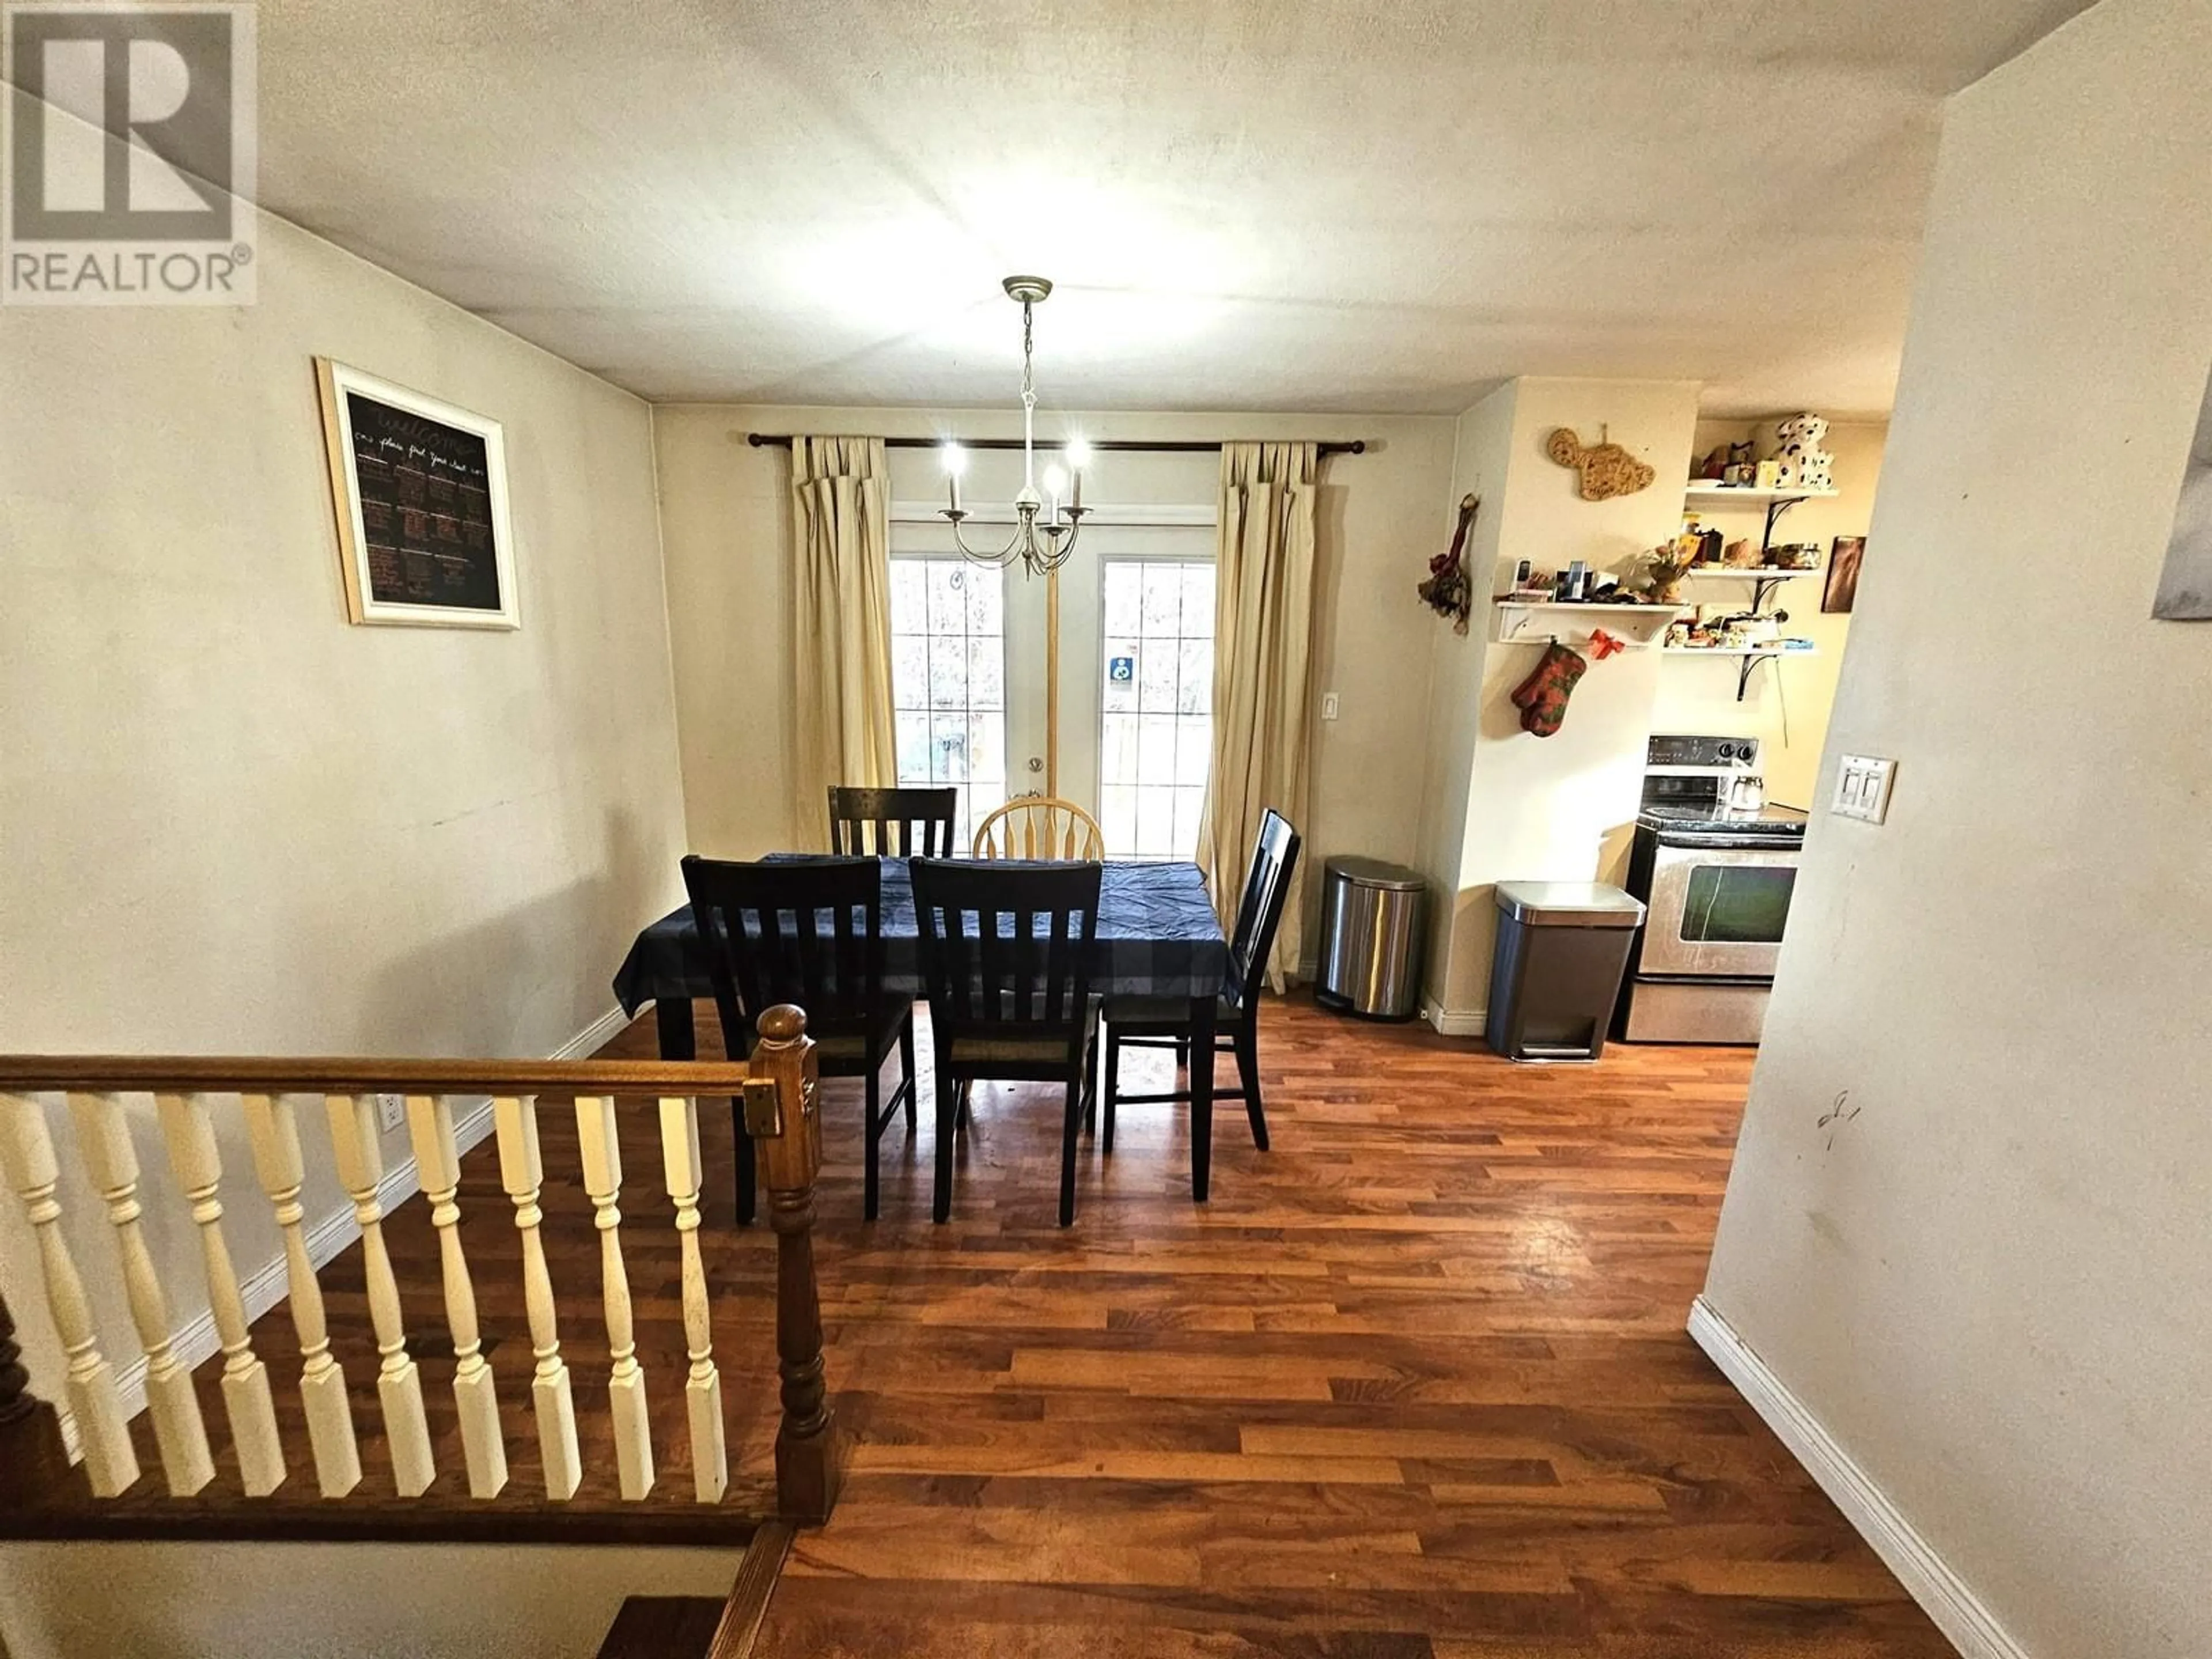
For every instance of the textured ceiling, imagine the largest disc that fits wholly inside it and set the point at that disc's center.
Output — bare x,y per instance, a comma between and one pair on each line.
1281,205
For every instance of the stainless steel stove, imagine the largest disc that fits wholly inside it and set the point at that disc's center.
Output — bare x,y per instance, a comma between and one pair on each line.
1715,866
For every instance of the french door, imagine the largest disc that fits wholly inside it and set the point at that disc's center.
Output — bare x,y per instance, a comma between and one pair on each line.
1136,679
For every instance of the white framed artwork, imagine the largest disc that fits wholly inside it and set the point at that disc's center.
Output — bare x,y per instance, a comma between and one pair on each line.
419,487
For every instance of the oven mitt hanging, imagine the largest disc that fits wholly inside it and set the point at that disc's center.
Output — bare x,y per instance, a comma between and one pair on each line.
1543,696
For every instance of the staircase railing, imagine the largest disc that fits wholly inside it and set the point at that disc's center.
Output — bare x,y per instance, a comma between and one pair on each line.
778,1089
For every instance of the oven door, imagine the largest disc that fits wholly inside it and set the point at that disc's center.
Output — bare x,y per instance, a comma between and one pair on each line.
1717,908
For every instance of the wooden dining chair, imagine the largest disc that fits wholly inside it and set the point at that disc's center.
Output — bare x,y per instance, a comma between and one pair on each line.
1164,1022
1006,955
891,823
1040,827
808,931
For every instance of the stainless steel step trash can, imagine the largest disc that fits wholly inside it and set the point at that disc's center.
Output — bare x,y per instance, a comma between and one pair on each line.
1555,972
1370,938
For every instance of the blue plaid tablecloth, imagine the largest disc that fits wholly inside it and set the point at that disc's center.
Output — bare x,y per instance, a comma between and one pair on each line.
1158,936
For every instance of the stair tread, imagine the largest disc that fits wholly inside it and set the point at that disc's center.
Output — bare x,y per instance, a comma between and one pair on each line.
663,1627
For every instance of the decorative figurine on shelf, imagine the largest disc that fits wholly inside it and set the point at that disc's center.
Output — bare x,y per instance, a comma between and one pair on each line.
1800,463
1728,464
1542,697
1607,469
1740,554
1448,592
1664,566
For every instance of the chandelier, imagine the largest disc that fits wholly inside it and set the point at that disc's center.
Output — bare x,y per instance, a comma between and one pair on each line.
1040,546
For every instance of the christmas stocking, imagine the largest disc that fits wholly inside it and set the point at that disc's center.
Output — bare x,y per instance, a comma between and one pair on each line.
1543,696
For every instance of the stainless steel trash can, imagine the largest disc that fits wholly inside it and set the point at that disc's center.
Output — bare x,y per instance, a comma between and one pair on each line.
1555,971
1370,938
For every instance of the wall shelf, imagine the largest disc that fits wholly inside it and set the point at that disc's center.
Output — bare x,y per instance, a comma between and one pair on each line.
1748,657
1704,489
1516,623
1704,492
1764,577
1742,651
1764,573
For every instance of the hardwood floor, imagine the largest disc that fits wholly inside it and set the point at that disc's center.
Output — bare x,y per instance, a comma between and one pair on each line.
1414,1383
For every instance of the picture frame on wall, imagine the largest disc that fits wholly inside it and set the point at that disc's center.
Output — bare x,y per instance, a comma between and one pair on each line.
419,487
1841,592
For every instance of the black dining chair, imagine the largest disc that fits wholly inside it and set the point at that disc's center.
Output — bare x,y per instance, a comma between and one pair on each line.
902,822
1007,952
1164,1022
808,931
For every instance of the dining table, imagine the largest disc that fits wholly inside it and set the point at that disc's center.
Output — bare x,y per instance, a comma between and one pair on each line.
1156,936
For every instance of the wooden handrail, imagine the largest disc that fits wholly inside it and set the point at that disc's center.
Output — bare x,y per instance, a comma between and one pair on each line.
363,1075
40,1497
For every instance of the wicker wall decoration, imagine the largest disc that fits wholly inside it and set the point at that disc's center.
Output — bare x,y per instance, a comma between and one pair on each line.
1607,469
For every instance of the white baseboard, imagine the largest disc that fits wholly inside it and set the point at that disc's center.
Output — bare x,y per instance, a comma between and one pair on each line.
1957,1611
197,1342
593,1037
1449,1022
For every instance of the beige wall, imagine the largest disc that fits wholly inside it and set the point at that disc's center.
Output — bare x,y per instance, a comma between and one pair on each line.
1480,457
427,1601
725,520
1557,808
1787,704
234,823
1992,1286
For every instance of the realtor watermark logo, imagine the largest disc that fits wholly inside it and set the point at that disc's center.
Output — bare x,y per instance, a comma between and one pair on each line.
130,175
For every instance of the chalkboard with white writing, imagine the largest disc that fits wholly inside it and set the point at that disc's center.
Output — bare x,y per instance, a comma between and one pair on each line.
422,508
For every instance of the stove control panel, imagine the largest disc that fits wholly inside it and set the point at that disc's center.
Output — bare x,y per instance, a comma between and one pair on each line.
1701,754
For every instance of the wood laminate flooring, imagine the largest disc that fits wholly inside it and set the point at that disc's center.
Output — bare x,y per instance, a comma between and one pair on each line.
1413,1385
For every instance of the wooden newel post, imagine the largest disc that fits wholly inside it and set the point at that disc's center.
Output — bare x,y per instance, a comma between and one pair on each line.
782,1116
34,1466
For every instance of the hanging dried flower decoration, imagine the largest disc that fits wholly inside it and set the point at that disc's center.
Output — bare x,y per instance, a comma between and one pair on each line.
1448,591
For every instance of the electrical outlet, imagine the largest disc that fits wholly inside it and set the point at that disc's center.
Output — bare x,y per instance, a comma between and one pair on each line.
391,1112
1863,787
1328,705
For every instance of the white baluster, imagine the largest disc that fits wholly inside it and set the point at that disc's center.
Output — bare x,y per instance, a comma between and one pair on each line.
702,1392
275,1136
27,1155
595,1128
398,1384
522,1172
198,1166
430,1129
103,1140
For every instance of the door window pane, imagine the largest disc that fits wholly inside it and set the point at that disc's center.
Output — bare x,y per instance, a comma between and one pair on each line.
1156,720
949,682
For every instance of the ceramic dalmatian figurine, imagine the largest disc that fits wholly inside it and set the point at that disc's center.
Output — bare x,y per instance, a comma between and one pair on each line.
1805,464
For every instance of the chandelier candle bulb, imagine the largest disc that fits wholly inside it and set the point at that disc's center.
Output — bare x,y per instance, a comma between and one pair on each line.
1078,457
956,462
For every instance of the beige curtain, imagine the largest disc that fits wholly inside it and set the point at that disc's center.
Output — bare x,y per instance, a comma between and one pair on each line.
1262,664
841,622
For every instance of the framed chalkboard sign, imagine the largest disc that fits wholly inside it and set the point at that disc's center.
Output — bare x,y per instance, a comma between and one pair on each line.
420,492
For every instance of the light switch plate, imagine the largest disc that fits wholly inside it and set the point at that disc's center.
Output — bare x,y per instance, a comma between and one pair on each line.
1863,787
1328,705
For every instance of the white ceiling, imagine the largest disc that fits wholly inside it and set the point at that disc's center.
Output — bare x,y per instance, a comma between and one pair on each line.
1280,205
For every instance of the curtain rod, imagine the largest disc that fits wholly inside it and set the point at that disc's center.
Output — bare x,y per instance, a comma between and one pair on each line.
1179,446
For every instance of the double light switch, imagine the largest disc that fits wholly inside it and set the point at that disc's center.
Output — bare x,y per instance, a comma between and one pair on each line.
1862,786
